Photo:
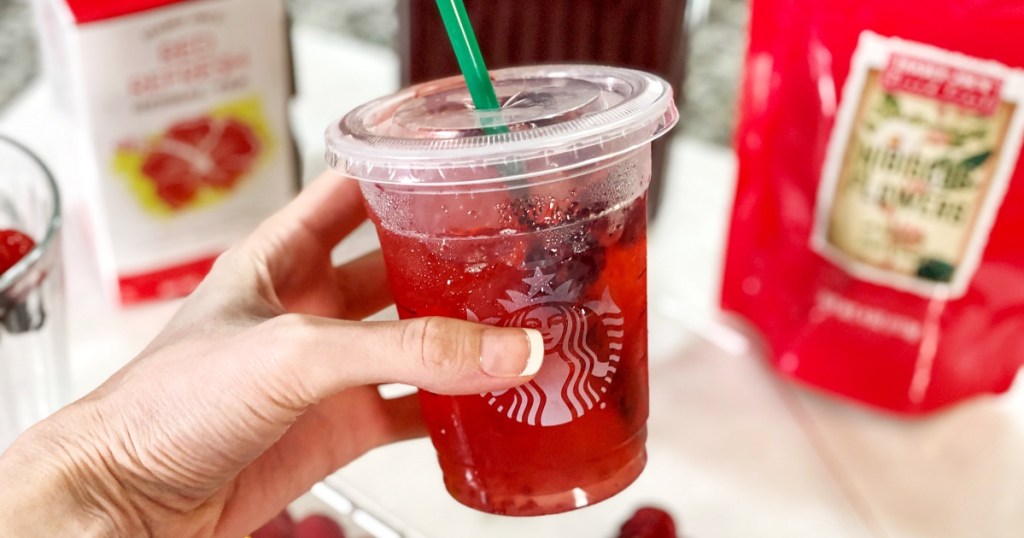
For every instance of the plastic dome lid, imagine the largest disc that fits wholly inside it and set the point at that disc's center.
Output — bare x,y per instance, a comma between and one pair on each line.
552,118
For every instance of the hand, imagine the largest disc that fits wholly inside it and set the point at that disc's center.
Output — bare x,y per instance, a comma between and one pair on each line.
261,385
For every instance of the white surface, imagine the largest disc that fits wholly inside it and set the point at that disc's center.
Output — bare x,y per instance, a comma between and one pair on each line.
733,451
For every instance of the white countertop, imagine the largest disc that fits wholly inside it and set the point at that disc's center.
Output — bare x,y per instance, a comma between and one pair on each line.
734,452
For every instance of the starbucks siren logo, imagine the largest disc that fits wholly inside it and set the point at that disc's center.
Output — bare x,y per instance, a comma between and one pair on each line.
574,377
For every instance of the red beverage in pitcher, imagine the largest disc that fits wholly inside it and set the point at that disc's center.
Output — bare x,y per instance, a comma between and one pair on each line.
542,227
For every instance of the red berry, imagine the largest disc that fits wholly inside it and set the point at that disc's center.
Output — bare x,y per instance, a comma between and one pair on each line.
14,245
649,522
281,526
318,526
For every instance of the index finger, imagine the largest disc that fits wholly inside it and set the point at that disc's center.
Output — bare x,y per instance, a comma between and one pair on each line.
329,207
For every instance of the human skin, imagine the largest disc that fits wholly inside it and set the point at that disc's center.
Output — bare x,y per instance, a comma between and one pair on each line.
263,383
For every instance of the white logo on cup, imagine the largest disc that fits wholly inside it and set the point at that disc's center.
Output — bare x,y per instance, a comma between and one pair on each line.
574,378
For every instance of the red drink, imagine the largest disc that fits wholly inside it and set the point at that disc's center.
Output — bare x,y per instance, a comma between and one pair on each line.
590,398
536,243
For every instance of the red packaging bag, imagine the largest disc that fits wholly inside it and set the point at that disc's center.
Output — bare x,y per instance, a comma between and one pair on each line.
877,236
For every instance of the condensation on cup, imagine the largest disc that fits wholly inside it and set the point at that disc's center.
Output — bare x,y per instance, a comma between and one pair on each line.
531,216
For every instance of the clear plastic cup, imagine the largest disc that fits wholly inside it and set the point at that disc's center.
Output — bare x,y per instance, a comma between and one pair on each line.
34,374
532,216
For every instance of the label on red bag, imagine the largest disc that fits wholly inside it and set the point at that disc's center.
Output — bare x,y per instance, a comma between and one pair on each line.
923,149
969,89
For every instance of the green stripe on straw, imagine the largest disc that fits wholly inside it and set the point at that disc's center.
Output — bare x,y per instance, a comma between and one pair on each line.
467,51
471,62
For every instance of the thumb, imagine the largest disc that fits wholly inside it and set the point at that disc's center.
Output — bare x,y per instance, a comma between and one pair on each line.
445,356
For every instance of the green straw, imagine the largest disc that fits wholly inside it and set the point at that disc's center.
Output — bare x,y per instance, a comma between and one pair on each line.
467,51
471,62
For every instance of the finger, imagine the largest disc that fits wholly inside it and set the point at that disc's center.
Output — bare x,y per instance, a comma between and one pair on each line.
363,284
320,356
406,420
330,207
324,433
329,435
315,359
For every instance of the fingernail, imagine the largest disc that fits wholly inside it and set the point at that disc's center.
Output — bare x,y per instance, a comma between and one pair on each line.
511,353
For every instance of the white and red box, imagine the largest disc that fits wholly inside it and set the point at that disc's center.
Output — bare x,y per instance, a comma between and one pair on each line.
180,113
